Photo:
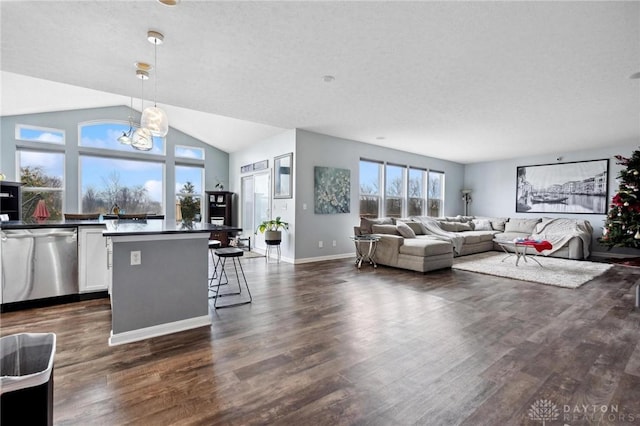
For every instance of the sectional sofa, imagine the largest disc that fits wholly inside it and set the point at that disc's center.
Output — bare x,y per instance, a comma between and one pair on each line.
422,244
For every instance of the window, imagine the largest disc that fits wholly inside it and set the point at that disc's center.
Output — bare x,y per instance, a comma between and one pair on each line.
370,194
42,174
189,152
189,191
39,134
394,190
416,194
104,135
436,194
423,190
134,186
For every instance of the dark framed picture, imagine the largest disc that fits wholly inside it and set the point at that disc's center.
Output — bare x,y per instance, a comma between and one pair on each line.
576,187
283,176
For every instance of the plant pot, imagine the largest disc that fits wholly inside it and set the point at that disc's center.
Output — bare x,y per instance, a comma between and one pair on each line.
273,236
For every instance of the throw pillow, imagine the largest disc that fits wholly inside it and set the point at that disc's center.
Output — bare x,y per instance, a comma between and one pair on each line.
385,229
366,224
405,230
482,225
417,228
463,226
498,224
449,226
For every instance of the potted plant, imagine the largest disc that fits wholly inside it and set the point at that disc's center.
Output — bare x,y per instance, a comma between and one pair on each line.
272,229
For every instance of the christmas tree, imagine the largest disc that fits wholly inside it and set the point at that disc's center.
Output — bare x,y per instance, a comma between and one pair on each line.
622,227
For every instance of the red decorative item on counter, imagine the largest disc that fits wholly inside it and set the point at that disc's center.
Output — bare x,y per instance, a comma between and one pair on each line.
41,212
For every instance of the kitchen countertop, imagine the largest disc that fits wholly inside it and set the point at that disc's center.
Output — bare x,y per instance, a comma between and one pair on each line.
33,224
123,227
150,227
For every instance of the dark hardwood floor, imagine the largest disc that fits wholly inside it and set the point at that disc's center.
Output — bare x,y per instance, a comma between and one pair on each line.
326,344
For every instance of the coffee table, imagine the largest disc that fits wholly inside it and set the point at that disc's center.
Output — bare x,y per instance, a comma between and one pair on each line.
365,248
517,249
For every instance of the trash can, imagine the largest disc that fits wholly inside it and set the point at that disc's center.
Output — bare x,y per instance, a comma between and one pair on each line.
26,379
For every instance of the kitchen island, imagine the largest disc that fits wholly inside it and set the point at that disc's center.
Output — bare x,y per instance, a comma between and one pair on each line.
159,277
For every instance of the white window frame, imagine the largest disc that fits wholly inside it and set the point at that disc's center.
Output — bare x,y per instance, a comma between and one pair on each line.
20,127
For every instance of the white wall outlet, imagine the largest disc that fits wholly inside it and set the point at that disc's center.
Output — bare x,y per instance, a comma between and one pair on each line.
320,244
334,243
136,257
304,206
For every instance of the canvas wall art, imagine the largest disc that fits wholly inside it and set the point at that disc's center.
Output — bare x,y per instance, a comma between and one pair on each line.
332,190
576,187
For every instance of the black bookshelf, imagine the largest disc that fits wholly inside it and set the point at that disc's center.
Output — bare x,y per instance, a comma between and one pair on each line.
11,199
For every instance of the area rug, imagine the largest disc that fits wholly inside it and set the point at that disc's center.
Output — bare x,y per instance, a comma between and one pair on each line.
557,272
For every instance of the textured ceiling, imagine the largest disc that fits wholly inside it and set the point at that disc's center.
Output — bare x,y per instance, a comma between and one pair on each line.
463,81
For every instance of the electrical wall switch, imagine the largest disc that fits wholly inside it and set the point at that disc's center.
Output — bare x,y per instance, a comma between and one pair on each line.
320,244
136,258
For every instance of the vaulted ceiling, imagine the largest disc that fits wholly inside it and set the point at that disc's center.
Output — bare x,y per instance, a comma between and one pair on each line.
463,81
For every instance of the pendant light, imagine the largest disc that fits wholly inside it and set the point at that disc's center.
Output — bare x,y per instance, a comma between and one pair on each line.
154,118
125,139
142,138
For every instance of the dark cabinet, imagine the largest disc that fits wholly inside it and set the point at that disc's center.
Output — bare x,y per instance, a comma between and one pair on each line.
11,199
220,212
220,207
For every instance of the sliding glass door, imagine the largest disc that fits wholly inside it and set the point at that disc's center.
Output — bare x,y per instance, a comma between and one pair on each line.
256,204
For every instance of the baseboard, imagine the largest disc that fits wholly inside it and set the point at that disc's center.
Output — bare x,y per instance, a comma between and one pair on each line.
158,330
612,255
325,258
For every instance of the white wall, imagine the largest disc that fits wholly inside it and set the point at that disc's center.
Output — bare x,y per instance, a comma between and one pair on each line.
267,149
494,185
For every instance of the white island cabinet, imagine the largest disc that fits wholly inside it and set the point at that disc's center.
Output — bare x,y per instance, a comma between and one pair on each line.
93,268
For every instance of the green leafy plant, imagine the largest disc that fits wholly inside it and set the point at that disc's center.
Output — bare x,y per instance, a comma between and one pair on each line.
272,225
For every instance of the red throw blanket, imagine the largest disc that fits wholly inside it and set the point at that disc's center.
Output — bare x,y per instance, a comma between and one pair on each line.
538,245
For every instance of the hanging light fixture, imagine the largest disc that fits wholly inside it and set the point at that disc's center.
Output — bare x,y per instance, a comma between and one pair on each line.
142,138
154,118
125,139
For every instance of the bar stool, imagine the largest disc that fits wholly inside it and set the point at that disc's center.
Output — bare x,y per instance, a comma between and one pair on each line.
271,244
234,254
213,245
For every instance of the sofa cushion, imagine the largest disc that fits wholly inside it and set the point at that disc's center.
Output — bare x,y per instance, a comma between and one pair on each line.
482,225
521,225
474,237
405,230
424,247
385,229
510,236
366,223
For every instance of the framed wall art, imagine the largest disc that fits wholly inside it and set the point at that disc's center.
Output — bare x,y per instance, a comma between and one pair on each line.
576,187
332,190
283,176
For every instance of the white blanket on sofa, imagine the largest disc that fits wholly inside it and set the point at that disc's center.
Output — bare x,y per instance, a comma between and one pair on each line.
432,227
559,231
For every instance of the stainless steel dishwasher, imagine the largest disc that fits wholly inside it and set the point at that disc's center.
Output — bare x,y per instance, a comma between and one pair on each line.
39,263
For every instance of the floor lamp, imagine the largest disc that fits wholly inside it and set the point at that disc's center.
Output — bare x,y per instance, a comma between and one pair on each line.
466,197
